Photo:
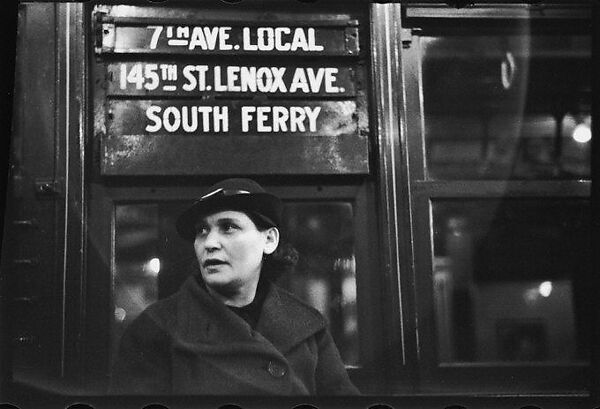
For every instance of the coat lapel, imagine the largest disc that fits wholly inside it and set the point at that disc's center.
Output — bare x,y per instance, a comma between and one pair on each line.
284,321
203,319
287,321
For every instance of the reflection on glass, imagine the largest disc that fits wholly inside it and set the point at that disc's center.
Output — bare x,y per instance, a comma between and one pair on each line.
136,265
507,107
508,279
152,261
325,277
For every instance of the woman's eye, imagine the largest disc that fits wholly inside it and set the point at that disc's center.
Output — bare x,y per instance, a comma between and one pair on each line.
201,231
229,227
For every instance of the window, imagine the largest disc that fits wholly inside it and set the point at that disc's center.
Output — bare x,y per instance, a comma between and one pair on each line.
327,224
151,262
494,151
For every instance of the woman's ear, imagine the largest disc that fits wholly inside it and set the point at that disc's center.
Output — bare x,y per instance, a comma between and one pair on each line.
272,240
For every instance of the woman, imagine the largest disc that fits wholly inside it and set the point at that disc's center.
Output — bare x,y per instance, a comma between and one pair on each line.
229,329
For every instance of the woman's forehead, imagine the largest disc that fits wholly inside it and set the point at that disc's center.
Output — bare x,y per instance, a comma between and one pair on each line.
221,215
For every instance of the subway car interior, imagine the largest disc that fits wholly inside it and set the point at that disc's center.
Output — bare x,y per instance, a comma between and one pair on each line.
435,162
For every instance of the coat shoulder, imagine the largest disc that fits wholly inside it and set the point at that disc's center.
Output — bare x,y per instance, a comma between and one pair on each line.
160,313
298,306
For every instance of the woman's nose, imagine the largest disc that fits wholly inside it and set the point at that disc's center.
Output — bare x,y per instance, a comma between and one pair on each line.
211,241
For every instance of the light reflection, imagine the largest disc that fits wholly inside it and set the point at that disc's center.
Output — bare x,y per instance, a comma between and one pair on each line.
545,289
120,314
582,133
152,267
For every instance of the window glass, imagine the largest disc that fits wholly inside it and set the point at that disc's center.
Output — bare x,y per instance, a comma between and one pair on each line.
507,107
325,276
509,279
152,261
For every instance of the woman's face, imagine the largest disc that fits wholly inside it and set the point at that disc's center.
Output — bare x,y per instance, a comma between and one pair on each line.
230,248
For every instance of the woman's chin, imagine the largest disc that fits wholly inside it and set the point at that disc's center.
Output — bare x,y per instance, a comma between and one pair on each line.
220,283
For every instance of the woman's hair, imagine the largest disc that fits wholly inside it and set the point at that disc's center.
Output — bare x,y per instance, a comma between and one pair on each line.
282,260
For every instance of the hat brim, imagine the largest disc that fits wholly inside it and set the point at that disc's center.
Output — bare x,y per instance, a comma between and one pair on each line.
264,205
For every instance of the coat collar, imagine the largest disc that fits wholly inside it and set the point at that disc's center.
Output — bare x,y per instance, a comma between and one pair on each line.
284,320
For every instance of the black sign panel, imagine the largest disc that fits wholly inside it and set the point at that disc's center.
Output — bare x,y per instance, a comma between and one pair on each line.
195,79
227,38
183,96
160,117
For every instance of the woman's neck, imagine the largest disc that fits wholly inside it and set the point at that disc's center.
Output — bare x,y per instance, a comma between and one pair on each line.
240,297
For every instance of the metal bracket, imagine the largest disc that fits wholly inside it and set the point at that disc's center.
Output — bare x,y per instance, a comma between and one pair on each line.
406,37
25,340
47,188
460,3
26,262
104,32
351,39
29,223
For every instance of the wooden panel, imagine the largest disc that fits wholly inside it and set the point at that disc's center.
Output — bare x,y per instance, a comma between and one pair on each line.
218,155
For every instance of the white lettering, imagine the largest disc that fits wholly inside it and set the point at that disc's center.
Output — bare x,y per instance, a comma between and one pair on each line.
151,74
194,82
299,81
330,78
279,118
168,124
315,79
221,119
135,76
312,115
312,41
223,37
278,38
278,84
247,117
188,73
232,77
246,40
279,32
187,116
297,117
248,79
197,39
266,38
264,79
123,77
299,41
155,36
211,36
202,70
183,32
261,118
219,87
151,114
205,111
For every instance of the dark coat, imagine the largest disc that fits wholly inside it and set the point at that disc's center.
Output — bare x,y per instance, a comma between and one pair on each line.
191,343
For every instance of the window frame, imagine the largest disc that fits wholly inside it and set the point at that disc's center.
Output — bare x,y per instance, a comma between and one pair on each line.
405,141
107,194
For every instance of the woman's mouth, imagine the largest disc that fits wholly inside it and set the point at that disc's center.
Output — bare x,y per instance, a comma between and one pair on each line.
211,262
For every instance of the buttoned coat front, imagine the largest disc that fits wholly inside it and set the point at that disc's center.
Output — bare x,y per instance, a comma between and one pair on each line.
191,343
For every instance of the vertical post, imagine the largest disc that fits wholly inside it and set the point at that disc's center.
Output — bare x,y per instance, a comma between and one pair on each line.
389,107
71,126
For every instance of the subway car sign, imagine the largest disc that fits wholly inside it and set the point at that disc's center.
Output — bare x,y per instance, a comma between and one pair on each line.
228,39
210,98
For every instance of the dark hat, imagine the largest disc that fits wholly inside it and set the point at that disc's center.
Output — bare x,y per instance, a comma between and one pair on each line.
231,194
